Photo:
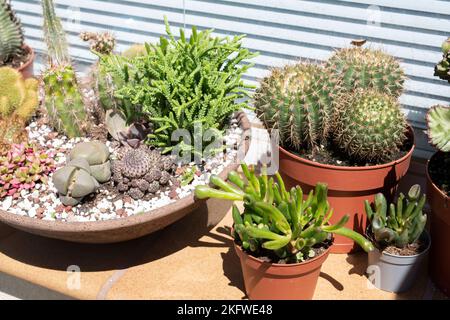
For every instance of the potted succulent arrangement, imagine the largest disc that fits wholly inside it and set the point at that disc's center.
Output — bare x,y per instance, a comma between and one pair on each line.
438,182
98,163
401,243
281,238
14,52
340,123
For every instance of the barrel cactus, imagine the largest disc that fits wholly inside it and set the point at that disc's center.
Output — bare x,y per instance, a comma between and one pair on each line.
371,127
399,224
299,101
366,68
438,119
11,33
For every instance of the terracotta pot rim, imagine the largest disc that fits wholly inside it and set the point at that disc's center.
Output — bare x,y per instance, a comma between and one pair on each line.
30,60
412,256
348,168
119,223
282,265
435,187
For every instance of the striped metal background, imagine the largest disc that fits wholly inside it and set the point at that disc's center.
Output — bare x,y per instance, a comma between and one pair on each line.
281,31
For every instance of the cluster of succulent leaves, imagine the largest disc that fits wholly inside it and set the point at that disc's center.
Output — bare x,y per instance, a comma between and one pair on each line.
180,83
399,224
348,103
11,33
442,69
278,220
22,167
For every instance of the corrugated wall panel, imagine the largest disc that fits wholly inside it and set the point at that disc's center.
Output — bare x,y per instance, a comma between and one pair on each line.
282,31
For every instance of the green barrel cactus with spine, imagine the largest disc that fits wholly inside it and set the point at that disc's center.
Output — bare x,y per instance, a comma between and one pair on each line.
366,68
371,126
11,33
299,101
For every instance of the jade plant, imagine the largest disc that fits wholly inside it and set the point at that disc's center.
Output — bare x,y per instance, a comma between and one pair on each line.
18,102
275,221
365,68
63,99
88,166
371,126
181,83
22,168
11,32
400,223
299,101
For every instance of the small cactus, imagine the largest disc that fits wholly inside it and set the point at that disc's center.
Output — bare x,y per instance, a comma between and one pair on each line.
11,33
17,96
22,167
298,100
63,98
371,126
18,102
136,50
365,68
399,224
438,119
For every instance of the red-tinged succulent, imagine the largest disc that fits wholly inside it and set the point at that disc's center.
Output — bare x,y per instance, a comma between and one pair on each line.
22,167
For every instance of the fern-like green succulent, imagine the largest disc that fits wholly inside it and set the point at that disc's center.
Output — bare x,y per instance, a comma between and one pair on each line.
183,83
11,33
438,119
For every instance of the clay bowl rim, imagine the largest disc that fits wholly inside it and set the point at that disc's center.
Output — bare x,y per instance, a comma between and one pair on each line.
30,60
434,186
358,168
27,222
282,265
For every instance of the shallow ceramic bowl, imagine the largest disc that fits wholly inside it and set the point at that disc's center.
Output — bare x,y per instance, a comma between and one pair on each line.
121,229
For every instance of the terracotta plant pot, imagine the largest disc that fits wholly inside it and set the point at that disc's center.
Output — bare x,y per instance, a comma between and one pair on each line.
271,281
440,232
348,187
393,273
27,68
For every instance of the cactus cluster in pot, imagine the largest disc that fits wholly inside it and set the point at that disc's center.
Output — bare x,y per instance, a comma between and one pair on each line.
349,103
278,220
11,32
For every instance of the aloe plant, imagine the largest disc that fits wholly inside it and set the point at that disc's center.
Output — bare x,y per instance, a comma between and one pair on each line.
277,220
398,224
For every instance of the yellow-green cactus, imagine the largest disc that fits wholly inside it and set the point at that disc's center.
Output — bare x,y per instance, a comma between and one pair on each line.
17,96
136,50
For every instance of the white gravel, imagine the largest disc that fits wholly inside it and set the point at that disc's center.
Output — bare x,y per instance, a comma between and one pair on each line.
43,202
